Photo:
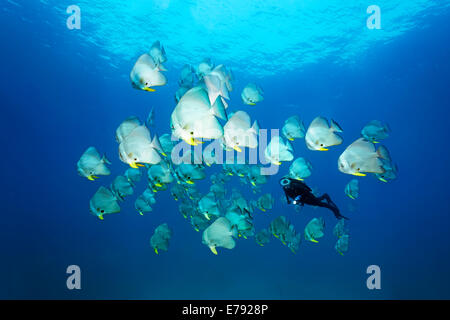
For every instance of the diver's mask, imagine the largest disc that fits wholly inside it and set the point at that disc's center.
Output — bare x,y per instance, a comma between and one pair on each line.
285,182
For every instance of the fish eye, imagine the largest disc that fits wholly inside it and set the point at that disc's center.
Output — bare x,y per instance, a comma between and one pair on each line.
192,132
321,144
135,159
102,211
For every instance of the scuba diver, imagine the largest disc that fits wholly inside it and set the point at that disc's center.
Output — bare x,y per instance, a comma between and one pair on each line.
298,193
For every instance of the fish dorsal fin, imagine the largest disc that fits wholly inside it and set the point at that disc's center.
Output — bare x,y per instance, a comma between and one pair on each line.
92,152
147,59
320,122
363,145
220,70
295,120
106,193
156,44
140,131
240,120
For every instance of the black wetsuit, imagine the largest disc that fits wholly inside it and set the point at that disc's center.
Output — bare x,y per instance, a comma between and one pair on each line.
297,192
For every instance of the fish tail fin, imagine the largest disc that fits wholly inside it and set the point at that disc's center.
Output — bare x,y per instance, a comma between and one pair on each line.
224,90
218,109
225,104
255,127
156,144
149,121
105,159
211,88
383,153
335,126
234,231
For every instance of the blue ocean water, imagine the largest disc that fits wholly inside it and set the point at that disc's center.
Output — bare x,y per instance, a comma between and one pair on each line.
64,90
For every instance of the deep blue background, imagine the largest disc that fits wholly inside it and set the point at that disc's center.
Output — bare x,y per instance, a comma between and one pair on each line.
54,107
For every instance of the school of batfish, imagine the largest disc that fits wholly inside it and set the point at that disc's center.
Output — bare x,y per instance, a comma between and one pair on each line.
200,114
